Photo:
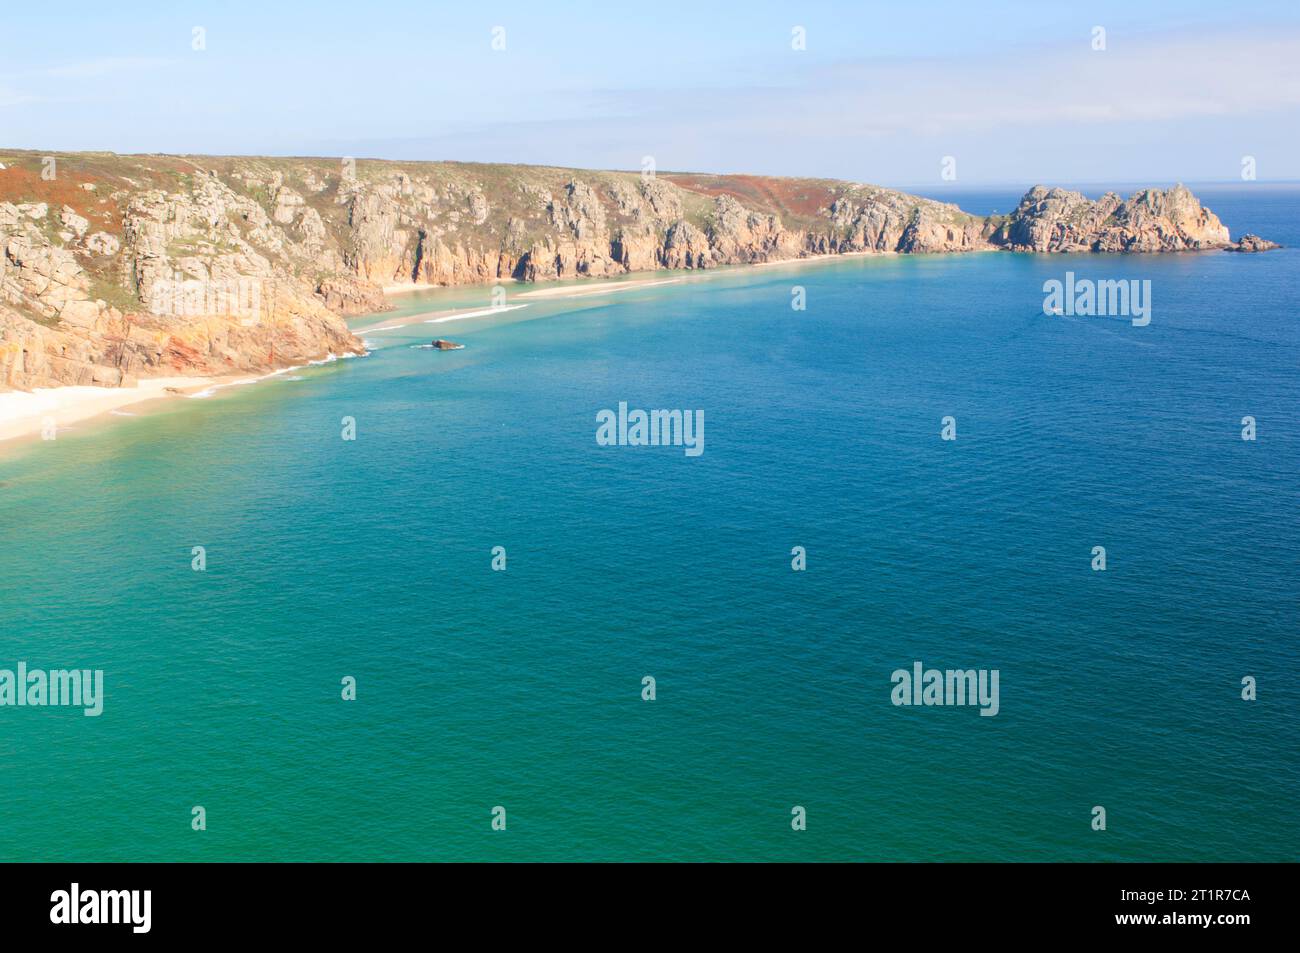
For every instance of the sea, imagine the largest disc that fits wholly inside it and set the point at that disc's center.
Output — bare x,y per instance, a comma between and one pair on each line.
474,632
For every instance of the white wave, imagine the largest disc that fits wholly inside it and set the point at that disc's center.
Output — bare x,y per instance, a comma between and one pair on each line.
331,357
328,359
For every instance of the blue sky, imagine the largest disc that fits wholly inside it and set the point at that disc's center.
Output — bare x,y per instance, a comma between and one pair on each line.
1013,91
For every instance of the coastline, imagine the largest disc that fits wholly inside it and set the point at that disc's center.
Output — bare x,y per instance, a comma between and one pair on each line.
606,286
26,413
593,285
434,317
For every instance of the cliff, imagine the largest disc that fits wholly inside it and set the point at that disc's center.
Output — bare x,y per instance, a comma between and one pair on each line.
119,267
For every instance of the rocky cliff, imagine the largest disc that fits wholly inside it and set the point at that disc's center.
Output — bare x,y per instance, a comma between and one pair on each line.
117,267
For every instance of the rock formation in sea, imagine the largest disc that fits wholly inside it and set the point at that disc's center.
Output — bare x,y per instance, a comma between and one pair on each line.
119,267
1253,243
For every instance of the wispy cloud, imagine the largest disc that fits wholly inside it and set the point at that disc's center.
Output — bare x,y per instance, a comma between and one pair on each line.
107,66
893,118
1138,79
1184,103
14,97
84,70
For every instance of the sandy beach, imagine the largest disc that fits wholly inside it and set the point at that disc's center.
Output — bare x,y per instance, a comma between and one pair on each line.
407,289
810,259
28,413
597,286
605,286
435,317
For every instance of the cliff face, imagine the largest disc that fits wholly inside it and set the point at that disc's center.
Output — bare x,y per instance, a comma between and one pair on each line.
116,267
106,279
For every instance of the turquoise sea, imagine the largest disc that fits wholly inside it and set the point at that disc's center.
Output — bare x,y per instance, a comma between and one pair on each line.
475,688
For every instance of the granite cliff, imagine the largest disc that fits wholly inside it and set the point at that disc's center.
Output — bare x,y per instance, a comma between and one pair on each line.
119,267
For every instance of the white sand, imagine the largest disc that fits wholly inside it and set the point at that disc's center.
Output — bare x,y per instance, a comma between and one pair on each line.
596,286
24,413
435,317
599,286
407,289
809,259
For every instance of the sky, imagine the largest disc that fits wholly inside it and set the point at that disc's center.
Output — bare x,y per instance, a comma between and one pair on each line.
883,92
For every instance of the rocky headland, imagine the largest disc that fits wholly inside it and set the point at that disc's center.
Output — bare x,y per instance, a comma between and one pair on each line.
116,268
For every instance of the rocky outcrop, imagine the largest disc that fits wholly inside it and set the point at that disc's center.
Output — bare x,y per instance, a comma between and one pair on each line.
150,265
1253,243
686,246
1057,220
350,295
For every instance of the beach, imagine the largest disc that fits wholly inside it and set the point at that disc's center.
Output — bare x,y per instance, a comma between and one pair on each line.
436,317
28,413
569,291
597,285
